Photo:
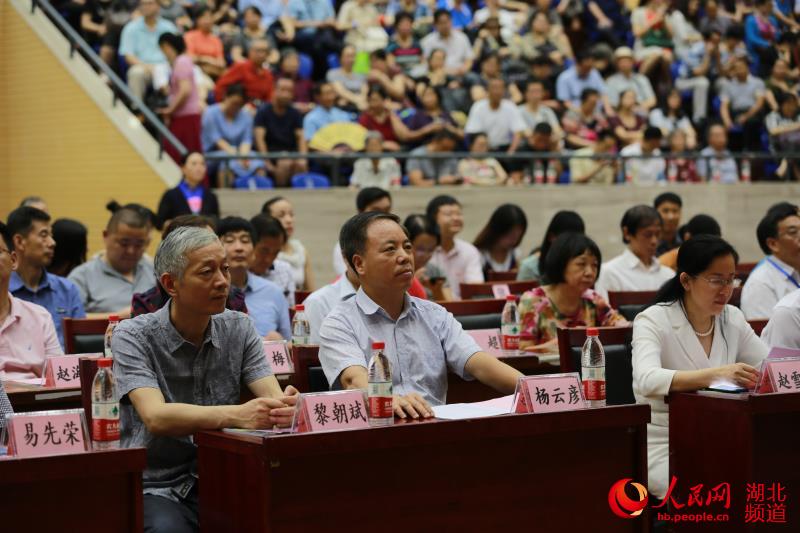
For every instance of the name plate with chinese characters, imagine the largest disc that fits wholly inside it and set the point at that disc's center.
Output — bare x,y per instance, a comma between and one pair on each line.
500,291
279,357
62,371
42,433
779,375
330,411
549,393
488,340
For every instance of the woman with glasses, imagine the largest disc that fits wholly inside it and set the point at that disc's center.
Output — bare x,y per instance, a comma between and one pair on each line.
691,339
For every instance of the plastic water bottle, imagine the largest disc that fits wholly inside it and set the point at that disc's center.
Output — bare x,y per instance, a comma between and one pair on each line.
301,330
593,370
551,175
538,173
381,411
745,170
510,328
672,172
113,322
105,407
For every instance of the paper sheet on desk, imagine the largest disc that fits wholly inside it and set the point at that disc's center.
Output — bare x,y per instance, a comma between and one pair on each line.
462,411
35,382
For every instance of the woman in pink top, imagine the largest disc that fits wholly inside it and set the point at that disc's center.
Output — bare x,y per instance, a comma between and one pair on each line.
203,46
183,114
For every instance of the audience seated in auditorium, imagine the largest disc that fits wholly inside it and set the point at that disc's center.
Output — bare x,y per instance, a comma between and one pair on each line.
420,336
535,112
33,244
203,46
669,206
108,281
71,246
671,117
566,298
27,332
425,172
584,169
315,31
375,171
251,74
379,117
456,45
270,238
717,165
742,105
360,21
192,336
479,169
425,237
646,170
404,50
573,81
190,196
627,123
460,260
431,118
324,112
498,241
778,273
680,168
626,79
293,251
637,268
697,225
583,123
350,86
531,267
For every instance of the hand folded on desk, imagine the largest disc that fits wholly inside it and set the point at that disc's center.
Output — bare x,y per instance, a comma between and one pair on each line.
263,413
412,405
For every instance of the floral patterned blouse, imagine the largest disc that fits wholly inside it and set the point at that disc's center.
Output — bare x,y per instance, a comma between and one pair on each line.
540,318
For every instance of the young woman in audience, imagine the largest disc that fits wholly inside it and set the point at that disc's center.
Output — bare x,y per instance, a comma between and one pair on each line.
479,169
191,196
431,113
671,117
71,246
567,299
425,238
690,340
628,125
378,117
293,252
562,222
351,87
637,268
679,168
498,241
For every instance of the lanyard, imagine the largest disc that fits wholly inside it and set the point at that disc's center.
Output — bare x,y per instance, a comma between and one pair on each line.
782,271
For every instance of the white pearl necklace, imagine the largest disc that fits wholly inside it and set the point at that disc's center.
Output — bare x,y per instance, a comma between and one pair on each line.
707,333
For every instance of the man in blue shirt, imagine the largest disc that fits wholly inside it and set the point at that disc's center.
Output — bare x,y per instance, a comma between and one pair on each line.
324,113
139,45
423,340
34,246
582,75
265,301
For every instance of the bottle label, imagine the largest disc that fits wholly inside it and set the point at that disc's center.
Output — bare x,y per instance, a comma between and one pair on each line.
594,389
105,421
380,399
510,336
299,340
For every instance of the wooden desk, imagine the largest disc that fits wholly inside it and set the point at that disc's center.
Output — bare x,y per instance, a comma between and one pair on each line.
739,439
86,493
26,398
490,474
458,390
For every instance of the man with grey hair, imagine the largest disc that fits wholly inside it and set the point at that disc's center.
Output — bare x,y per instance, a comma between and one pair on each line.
180,370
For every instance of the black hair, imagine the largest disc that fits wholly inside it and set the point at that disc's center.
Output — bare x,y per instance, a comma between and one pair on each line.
768,227
701,225
268,204
376,89
369,195
588,92
503,220
680,112
254,9
533,82
200,10
446,135
20,220
438,202
234,224
189,221
185,157
379,54
606,133
694,257
317,89
565,248
582,55
562,222
403,15
175,42
133,215
543,128
267,226
236,89
71,246
475,136
28,200
735,31
417,225
4,233
441,12
652,133
353,235
667,197
638,217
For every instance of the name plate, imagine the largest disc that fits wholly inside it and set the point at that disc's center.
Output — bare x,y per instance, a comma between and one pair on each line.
779,375
330,411
43,433
549,393
500,291
279,357
488,340
62,371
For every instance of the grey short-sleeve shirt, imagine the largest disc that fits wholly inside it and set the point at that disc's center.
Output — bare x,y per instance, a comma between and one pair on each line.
104,290
421,345
432,169
150,353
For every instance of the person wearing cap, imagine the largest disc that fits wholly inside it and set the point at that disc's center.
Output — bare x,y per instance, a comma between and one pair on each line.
182,369
422,340
627,79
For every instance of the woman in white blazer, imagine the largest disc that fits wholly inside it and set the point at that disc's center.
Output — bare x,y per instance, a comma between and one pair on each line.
690,339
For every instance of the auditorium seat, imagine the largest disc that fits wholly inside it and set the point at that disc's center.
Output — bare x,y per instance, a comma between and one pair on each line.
84,335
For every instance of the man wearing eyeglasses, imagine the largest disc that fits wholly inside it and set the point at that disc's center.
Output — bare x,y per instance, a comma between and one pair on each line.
778,273
27,333
107,282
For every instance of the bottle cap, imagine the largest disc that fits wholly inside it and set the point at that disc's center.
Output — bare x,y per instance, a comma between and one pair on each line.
299,307
510,298
378,345
113,318
105,362
592,332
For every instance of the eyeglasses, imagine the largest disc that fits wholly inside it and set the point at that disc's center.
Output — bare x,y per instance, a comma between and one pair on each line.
721,283
792,232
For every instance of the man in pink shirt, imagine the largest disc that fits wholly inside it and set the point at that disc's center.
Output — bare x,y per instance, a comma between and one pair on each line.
27,333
